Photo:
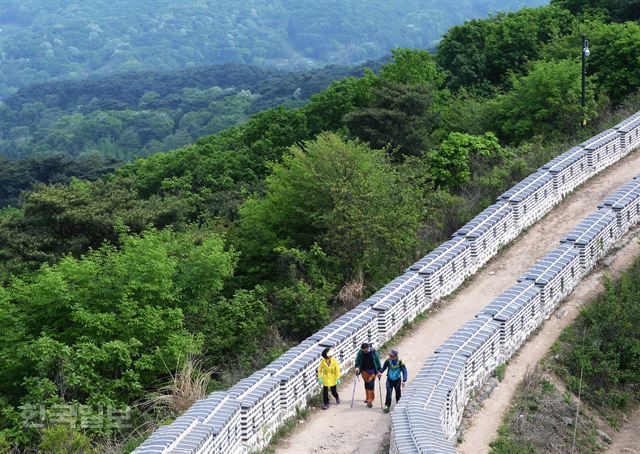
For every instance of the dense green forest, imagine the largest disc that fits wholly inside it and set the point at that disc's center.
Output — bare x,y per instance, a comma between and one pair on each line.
224,252
43,40
137,114
75,128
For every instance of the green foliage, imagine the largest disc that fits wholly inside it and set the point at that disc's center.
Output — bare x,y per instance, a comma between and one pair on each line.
463,112
19,175
615,59
234,327
605,344
123,117
237,156
326,110
104,329
110,321
340,194
546,101
499,371
59,219
615,9
400,117
45,40
301,310
482,53
507,445
411,67
451,166
65,439
612,65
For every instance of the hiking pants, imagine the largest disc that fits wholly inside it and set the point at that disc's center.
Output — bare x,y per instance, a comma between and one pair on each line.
325,394
369,385
391,385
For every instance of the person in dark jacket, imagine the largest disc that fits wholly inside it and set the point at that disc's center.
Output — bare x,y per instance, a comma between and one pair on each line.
368,363
396,377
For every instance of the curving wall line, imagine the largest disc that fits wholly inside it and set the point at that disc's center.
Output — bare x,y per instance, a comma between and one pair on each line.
245,417
427,419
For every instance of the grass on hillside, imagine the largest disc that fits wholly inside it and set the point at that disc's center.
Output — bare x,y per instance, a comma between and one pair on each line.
596,357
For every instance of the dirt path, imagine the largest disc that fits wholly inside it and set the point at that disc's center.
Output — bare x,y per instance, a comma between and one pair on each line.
343,430
627,440
485,422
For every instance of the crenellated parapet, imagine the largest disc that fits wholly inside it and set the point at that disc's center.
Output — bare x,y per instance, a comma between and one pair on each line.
245,417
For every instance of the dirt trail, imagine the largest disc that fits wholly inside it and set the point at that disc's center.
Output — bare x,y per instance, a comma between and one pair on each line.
627,440
343,430
485,422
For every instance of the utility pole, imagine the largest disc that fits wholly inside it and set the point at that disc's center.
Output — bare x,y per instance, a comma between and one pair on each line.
585,54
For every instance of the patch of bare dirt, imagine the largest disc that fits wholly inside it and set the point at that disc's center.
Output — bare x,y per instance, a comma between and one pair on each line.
627,439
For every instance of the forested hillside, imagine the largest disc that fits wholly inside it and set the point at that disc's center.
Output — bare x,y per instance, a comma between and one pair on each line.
64,126
43,40
223,252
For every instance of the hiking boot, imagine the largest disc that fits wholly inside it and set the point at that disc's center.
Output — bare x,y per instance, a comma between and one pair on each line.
325,406
366,401
337,400
369,404
386,409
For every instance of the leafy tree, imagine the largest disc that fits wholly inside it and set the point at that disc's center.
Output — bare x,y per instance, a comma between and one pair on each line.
19,175
451,165
234,327
239,156
61,219
615,59
340,194
301,310
482,53
463,112
103,328
545,101
400,117
14,333
326,110
411,67
622,10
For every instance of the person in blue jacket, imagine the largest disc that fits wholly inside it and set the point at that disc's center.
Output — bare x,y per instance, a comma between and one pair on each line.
396,377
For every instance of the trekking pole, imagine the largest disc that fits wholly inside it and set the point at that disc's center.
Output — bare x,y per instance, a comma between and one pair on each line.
380,390
353,395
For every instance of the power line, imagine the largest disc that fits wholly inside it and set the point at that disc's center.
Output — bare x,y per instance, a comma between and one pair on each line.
575,426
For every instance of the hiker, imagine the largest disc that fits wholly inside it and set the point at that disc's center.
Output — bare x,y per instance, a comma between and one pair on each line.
368,363
396,370
328,377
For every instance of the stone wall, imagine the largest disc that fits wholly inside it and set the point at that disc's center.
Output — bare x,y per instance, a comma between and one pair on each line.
245,417
426,420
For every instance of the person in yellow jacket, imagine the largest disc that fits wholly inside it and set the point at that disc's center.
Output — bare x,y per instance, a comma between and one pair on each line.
328,377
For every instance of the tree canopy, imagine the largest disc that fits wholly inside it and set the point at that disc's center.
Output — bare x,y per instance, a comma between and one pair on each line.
62,39
228,249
